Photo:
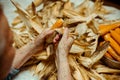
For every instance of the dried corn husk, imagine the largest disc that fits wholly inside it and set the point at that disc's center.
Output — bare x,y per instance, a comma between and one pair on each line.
82,22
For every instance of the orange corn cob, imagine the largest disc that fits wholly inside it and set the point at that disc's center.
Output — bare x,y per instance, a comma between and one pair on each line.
115,36
113,43
103,29
117,30
57,24
113,53
108,55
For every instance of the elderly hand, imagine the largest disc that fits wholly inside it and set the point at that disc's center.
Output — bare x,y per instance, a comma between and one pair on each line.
61,55
24,53
65,44
40,40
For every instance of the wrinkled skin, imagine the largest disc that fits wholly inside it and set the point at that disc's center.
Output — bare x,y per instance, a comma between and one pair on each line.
65,43
7,51
62,56
25,53
40,40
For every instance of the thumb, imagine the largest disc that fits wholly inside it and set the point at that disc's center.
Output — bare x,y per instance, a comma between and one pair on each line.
46,32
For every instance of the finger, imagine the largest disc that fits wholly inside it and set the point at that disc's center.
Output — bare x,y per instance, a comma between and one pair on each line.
49,32
65,35
70,41
54,41
56,38
46,32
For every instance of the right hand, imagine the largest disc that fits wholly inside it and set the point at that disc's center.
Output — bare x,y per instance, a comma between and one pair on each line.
65,44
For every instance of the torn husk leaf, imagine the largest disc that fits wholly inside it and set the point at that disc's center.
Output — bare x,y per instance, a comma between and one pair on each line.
103,69
88,62
82,22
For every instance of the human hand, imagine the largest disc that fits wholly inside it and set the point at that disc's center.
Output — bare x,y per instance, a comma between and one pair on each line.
25,53
40,40
64,44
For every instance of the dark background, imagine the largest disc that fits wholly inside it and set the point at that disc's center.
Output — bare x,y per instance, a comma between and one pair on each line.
115,3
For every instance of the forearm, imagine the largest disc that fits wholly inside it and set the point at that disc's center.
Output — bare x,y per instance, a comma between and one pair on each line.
23,54
63,68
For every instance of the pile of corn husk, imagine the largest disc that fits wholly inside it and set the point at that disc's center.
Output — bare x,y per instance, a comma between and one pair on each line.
82,20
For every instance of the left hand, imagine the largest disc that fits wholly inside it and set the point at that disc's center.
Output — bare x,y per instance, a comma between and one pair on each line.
24,53
40,41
